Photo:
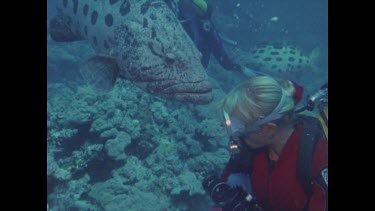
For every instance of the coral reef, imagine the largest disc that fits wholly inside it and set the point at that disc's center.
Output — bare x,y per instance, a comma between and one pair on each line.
71,196
188,182
115,147
158,150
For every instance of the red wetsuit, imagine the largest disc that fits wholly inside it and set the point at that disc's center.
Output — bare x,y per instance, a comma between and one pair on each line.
280,189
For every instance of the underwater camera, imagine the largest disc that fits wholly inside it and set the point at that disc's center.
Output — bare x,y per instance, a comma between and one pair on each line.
319,99
320,96
227,197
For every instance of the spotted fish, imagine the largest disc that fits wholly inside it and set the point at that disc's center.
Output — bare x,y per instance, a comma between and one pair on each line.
278,59
140,40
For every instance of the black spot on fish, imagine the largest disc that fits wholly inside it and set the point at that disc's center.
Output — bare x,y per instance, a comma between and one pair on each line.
279,59
94,17
111,2
292,52
289,65
153,33
267,59
125,8
75,6
274,53
145,7
300,60
145,23
85,30
85,10
257,56
253,52
105,44
95,41
273,66
65,3
261,51
280,70
109,20
291,59
153,16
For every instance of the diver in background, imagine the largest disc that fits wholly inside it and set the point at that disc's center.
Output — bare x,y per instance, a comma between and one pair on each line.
195,17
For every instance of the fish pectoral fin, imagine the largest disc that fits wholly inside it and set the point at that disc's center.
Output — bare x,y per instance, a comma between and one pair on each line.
101,72
61,29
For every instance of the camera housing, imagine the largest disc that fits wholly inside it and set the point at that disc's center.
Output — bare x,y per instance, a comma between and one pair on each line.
234,199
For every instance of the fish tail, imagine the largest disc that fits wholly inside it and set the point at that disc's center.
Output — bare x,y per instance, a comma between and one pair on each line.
315,56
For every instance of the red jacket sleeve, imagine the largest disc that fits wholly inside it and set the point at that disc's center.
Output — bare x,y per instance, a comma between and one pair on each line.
319,198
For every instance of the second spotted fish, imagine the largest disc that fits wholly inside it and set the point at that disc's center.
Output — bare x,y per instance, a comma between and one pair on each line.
280,59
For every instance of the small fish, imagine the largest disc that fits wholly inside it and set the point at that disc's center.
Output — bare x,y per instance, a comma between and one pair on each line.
140,40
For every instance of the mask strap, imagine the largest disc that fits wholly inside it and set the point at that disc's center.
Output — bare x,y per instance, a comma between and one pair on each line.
275,113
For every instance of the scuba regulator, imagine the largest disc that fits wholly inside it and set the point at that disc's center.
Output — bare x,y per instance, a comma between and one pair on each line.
235,128
227,197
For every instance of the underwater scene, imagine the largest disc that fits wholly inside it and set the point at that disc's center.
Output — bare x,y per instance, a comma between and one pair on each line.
133,88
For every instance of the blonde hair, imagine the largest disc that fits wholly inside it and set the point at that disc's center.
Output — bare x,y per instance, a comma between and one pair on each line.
257,97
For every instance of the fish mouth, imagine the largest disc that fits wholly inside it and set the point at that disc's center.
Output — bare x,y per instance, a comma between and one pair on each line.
199,92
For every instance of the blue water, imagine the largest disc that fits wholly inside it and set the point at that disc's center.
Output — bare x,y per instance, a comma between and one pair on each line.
130,150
